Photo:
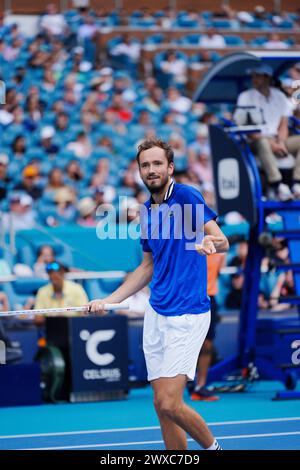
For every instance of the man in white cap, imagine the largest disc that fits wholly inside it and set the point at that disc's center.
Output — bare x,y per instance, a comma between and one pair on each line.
273,142
21,215
47,134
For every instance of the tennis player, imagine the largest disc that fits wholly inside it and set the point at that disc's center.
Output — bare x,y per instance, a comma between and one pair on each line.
178,316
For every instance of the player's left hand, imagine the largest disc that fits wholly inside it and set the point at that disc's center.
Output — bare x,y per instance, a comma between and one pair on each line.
208,245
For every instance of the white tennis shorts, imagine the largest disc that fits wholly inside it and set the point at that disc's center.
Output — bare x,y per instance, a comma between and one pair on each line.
172,344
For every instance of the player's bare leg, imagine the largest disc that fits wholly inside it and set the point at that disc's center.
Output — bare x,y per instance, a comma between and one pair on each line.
170,407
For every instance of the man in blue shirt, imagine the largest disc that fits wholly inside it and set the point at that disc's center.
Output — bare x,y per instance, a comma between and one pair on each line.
173,224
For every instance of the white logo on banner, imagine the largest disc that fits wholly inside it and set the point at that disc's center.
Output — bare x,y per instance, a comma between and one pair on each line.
228,178
296,354
92,343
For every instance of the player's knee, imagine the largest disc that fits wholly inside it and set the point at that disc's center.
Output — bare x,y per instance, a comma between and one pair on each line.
167,406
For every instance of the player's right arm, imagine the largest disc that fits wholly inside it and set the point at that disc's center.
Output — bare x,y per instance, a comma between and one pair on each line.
134,283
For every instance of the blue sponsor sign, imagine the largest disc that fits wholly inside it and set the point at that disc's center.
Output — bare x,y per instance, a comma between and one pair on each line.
235,188
99,354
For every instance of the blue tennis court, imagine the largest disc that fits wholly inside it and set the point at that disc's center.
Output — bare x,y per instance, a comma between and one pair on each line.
240,421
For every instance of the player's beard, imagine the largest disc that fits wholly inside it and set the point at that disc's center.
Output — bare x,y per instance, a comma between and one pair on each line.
157,188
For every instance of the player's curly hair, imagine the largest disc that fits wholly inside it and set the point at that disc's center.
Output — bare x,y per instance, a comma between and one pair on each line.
150,143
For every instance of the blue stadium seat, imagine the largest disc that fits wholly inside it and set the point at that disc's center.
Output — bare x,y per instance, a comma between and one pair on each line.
225,24
234,41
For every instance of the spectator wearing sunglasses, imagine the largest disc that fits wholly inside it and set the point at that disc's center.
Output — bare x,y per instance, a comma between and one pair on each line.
59,292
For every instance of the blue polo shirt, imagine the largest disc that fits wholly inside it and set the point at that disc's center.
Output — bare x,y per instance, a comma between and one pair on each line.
169,231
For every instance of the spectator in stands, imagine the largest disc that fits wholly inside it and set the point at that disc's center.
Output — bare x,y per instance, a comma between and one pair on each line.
260,13
175,67
59,292
49,81
200,144
273,142
34,113
70,102
65,199
179,146
121,109
59,56
74,172
212,40
21,216
45,256
91,106
234,297
12,51
87,212
127,49
87,30
154,99
274,42
214,265
53,23
284,287
88,122
47,134
72,85
123,86
294,72
102,171
6,116
201,165
19,147
176,102
168,19
286,85
55,181
170,122
131,177
113,124
239,260
19,79
29,183
103,83
104,194
4,179
107,144
81,146
62,122
80,64
12,97
18,115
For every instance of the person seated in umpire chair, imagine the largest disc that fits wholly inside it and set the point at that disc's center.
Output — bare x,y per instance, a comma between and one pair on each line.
267,105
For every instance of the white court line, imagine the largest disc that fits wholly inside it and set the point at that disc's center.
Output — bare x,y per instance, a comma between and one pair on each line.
147,428
115,444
